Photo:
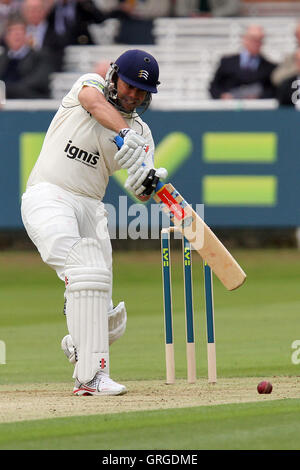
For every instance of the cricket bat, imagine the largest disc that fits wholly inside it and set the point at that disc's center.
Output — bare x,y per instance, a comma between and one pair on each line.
201,237
195,230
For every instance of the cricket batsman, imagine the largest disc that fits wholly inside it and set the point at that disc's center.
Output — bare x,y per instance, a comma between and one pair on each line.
63,212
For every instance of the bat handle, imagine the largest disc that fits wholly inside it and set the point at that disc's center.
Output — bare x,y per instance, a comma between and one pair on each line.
119,141
159,186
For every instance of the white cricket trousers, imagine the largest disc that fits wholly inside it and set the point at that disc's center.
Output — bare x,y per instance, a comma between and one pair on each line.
56,219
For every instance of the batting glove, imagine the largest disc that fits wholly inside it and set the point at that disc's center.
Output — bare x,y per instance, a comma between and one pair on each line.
144,180
133,152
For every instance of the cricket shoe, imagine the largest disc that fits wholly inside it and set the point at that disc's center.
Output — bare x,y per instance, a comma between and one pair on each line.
101,384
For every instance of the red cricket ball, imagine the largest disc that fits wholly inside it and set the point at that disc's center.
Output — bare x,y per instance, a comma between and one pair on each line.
264,387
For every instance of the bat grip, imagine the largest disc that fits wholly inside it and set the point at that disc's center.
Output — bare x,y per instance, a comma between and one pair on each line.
119,141
159,186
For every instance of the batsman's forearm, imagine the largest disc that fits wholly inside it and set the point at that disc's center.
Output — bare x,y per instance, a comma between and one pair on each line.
109,117
101,110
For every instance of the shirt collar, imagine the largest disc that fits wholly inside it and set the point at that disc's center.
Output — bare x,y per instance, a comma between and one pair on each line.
19,54
247,59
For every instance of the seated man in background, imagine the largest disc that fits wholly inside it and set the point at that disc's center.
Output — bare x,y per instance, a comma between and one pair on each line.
288,91
70,19
245,75
40,35
288,68
220,8
24,71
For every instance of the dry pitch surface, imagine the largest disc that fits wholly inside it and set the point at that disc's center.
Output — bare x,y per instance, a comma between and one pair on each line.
38,401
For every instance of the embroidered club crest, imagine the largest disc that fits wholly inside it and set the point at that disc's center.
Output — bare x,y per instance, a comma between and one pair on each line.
143,74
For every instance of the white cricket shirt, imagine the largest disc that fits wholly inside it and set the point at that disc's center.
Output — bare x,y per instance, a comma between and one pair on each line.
78,152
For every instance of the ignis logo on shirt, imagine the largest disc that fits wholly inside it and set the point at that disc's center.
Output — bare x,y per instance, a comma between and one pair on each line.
81,155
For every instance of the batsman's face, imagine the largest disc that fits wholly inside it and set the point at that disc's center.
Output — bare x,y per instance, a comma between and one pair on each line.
129,96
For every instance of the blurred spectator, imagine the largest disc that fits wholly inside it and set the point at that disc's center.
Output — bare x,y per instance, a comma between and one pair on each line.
288,67
7,9
288,91
40,36
24,71
137,26
70,19
147,9
207,8
220,8
245,75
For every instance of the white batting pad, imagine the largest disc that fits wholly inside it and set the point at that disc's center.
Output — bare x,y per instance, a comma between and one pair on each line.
87,293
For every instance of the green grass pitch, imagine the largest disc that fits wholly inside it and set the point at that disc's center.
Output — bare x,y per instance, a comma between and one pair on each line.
255,328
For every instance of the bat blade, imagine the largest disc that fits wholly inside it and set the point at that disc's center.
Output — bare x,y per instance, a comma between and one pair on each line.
201,237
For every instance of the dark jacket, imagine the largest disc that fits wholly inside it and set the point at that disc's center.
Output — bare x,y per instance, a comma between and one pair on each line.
85,13
26,78
53,45
229,75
